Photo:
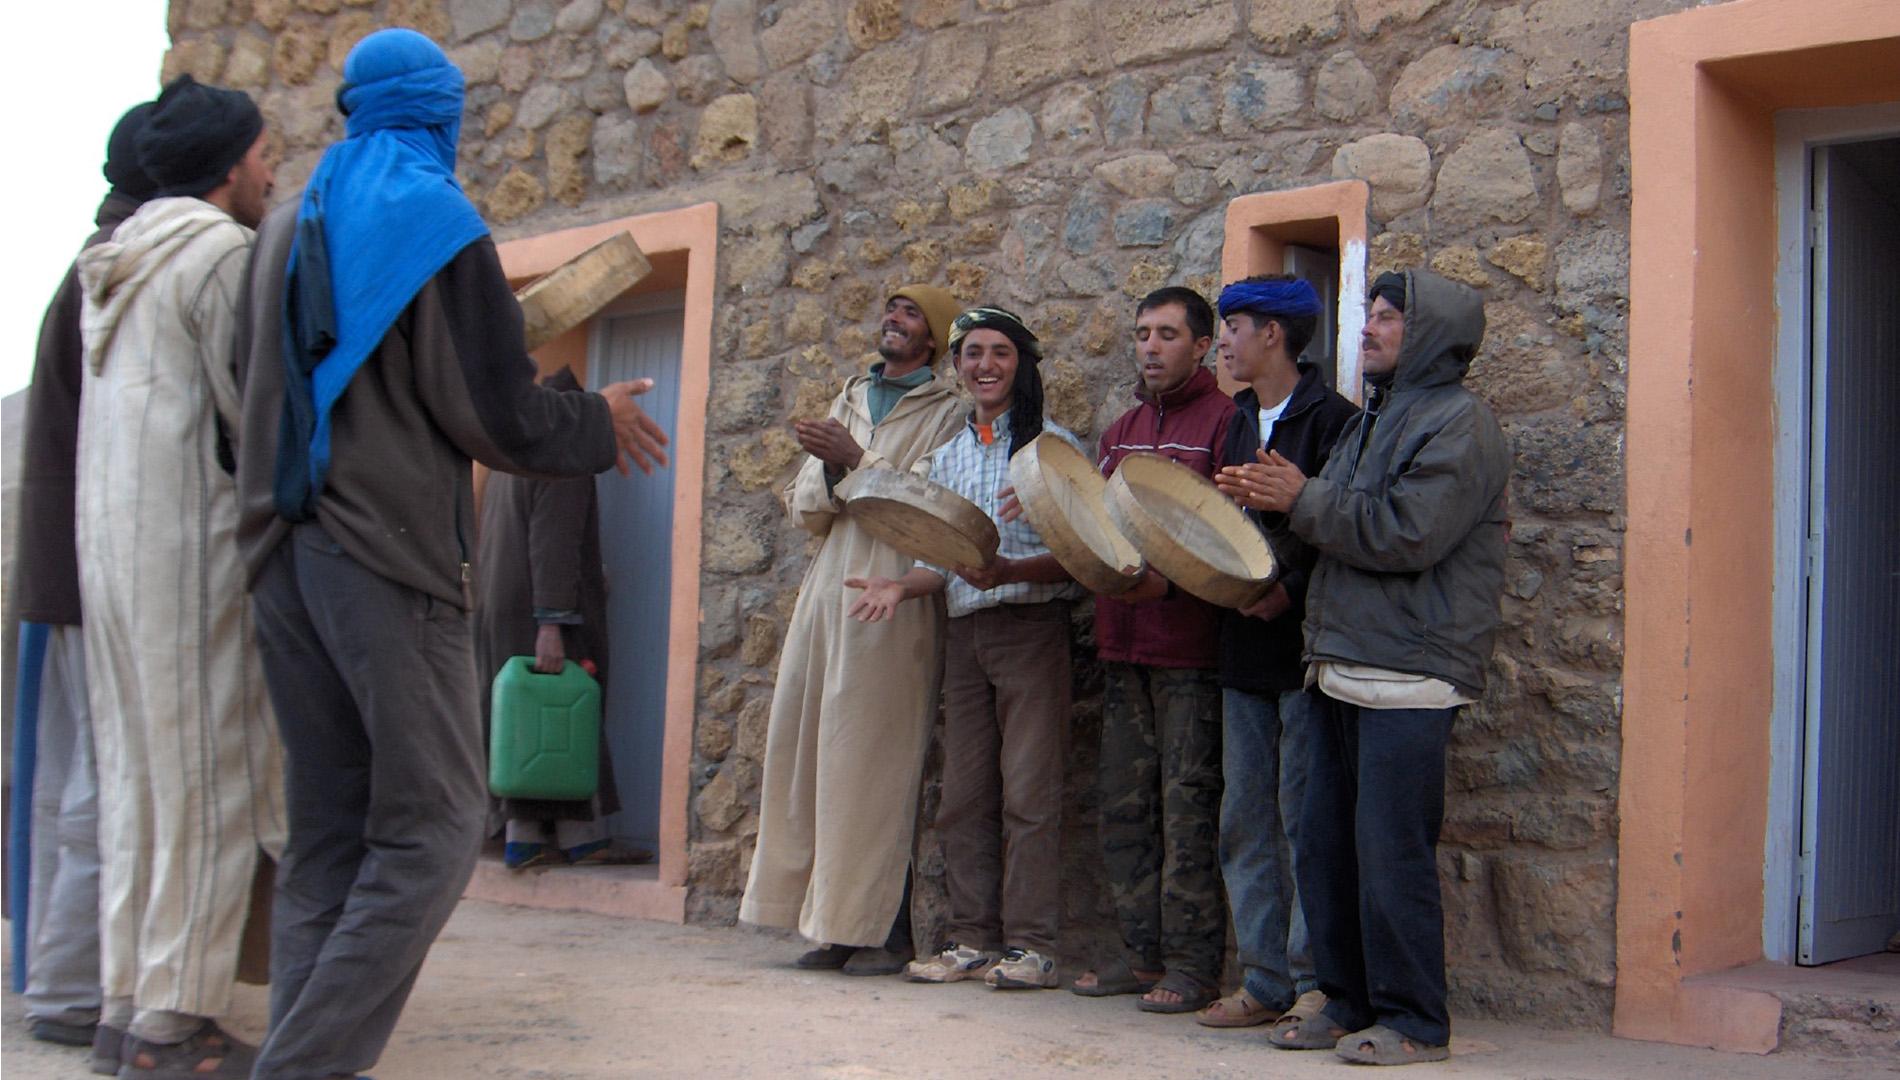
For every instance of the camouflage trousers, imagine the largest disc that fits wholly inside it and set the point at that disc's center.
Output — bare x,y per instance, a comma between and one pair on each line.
1160,781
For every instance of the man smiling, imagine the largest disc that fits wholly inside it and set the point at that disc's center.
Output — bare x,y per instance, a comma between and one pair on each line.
852,709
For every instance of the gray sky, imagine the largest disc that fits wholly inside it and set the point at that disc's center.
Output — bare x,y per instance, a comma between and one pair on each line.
74,68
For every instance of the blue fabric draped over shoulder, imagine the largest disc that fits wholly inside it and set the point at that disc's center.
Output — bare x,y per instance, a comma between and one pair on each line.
390,214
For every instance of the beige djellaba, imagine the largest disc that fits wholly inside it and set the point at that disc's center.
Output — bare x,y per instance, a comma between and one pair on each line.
190,770
852,709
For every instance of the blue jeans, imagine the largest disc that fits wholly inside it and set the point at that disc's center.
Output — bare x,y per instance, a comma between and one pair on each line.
1263,757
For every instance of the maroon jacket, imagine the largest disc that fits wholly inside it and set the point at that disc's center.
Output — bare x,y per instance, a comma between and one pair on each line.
1188,424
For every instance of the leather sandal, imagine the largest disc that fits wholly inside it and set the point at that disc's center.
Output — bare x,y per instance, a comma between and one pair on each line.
1380,1045
1237,1010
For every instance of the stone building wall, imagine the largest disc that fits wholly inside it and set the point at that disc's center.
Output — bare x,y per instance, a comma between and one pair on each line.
1062,157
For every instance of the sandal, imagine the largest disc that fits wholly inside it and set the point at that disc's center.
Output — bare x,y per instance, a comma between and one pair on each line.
1298,1029
1237,1010
1112,980
1380,1045
1194,991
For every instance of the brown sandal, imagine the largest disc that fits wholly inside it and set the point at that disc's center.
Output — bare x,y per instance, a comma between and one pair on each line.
1236,1010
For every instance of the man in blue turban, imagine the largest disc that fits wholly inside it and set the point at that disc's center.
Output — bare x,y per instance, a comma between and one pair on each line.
384,353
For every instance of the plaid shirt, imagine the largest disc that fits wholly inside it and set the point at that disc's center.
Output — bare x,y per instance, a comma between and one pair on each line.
977,472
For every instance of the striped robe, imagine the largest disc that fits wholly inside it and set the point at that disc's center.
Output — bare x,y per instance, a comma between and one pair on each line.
191,782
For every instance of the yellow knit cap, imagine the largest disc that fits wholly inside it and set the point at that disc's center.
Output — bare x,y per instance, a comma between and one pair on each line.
940,310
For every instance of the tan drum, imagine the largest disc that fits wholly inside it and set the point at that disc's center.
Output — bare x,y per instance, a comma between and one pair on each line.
923,520
1062,495
572,292
1189,532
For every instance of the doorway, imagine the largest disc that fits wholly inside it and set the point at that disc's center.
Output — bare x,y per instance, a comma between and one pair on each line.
1848,887
640,337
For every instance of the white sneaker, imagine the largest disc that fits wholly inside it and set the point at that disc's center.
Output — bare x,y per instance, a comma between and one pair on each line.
953,963
1022,969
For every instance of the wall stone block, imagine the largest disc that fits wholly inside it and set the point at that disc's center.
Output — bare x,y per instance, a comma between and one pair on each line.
1525,257
531,22
247,65
1068,120
1000,141
468,18
869,23
1344,88
1548,915
1580,168
728,129
567,144
862,106
646,87
1144,223
480,61
802,29
738,540
1281,25
1461,264
1125,106
1452,83
952,71
1183,109
1140,31
299,49
1040,46
725,798
425,17
578,16
1142,175
1488,178
517,195
1375,15
1397,167
1261,96
616,151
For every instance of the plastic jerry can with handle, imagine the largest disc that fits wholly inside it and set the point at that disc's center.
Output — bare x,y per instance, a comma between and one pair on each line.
544,733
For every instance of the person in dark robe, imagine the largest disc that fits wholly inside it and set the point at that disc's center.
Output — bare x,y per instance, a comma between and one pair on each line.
541,593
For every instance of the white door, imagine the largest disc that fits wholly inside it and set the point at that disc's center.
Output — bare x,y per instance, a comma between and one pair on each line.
1850,830
636,541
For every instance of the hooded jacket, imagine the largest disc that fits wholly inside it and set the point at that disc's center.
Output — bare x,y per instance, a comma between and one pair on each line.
1188,424
1263,657
46,581
1408,516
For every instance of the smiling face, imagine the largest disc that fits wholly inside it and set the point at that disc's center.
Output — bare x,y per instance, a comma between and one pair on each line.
1166,351
986,362
1379,342
903,338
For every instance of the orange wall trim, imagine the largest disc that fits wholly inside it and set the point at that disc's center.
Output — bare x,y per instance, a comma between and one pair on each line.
669,238
1699,659
1258,228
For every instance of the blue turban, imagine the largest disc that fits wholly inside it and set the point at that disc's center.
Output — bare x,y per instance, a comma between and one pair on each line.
382,214
1292,298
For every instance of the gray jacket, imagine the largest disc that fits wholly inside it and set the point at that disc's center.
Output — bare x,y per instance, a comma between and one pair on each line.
1409,513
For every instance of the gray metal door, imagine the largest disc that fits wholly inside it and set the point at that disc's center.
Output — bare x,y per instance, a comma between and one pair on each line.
1850,828
636,539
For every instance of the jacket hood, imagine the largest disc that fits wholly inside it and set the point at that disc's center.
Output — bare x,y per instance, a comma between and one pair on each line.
113,273
1444,325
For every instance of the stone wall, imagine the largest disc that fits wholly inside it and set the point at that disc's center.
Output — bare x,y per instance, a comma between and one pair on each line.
1062,157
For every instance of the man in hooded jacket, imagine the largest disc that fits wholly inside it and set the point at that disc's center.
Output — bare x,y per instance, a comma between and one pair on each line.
380,351
190,776
1408,517
62,988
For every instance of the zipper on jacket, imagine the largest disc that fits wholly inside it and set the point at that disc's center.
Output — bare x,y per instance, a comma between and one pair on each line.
1375,404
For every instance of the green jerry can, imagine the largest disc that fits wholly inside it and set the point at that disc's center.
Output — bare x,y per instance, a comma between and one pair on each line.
544,733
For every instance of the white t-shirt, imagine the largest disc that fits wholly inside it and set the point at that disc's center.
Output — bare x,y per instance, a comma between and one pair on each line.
1269,417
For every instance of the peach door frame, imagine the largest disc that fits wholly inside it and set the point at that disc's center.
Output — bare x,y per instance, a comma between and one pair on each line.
692,232
1699,661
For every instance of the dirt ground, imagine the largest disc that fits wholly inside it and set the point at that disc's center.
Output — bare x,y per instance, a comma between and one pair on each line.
536,995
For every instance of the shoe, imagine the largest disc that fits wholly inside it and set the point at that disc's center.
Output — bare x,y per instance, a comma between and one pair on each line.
107,1042
516,855
825,958
206,1054
1022,969
879,961
953,963
55,1031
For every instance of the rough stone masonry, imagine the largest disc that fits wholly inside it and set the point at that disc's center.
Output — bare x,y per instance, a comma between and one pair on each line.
1063,157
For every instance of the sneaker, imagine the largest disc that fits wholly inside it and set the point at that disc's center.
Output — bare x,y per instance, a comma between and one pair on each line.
1022,969
62,1033
953,963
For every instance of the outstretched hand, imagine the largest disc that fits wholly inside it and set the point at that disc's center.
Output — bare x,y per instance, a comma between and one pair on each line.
880,599
829,441
640,440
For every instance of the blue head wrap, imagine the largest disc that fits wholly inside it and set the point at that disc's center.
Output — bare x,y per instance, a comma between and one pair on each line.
1293,298
381,215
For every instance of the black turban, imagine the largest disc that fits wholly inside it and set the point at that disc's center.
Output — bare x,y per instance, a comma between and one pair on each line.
195,135
1004,322
122,154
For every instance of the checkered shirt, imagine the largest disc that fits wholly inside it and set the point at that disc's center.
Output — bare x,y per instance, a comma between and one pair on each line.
977,472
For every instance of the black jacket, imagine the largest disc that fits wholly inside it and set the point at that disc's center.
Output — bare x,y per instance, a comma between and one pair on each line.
1257,656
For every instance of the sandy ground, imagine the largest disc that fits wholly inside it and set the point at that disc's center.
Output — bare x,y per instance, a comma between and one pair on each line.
535,995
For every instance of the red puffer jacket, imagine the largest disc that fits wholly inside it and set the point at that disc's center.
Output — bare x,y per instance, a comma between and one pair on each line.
1188,424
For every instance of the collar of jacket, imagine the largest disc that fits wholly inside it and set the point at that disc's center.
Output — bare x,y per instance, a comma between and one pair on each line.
857,391
1307,392
1197,385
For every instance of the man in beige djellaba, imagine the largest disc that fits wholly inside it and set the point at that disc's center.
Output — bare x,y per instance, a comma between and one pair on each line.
190,772
851,713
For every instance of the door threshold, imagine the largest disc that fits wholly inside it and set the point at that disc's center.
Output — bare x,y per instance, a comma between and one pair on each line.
628,892
1844,1009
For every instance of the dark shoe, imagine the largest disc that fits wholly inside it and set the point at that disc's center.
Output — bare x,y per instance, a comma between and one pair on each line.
53,1031
825,958
877,962
206,1054
106,1044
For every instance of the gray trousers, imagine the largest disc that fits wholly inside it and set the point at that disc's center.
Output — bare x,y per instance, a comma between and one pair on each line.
374,687
62,974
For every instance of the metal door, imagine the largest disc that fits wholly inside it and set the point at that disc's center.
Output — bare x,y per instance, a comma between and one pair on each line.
1320,268
1850,828
636,539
